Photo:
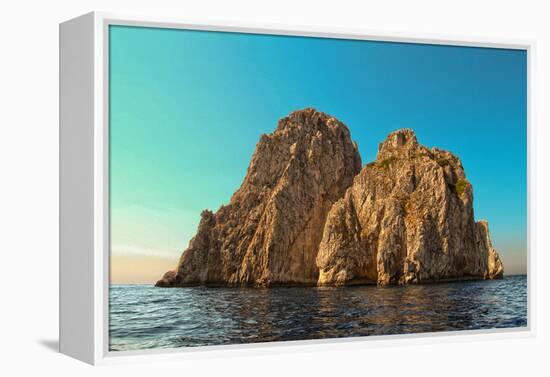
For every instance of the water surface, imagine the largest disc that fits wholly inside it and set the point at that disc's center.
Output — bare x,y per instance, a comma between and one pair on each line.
142,316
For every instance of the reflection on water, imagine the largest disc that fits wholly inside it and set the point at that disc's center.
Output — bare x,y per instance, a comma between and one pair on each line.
142,316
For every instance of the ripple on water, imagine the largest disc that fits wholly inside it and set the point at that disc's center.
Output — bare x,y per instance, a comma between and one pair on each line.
142,316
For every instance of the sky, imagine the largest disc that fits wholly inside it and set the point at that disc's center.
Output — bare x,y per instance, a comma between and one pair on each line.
188,107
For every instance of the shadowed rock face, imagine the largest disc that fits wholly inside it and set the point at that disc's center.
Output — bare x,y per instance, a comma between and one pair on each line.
270,231
306,213
407,218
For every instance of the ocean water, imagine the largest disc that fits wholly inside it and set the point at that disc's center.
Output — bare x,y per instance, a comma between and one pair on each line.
142,316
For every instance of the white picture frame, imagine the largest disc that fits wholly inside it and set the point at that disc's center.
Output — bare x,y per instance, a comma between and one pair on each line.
84,190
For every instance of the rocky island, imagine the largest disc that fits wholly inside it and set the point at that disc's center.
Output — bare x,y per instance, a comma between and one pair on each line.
308,213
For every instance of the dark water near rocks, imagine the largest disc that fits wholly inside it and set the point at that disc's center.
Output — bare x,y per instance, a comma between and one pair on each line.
142,316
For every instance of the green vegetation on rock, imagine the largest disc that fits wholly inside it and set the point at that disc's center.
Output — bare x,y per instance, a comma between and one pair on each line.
460,186
385,163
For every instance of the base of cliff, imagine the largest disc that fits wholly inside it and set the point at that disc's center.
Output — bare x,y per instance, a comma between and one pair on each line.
173,284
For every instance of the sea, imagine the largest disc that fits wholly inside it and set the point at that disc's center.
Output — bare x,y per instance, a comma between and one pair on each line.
145,317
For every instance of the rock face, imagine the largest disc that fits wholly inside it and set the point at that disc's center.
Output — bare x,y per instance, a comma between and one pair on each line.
270,231
407,218
306,213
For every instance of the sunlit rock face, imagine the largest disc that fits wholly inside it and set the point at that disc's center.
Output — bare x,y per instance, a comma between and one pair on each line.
307,213
407,218
270,231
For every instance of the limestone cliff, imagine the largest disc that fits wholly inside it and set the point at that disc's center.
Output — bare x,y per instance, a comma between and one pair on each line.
269,233
407,218
306,213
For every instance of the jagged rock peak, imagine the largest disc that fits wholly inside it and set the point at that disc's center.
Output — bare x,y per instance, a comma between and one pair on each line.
309,118
400,143
310,121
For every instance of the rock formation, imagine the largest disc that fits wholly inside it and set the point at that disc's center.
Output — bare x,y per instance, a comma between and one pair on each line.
306,213
270,231
407,218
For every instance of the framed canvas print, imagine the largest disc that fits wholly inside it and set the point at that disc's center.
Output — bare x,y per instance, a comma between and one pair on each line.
226,188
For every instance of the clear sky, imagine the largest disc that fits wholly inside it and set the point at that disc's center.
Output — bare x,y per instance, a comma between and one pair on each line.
188,107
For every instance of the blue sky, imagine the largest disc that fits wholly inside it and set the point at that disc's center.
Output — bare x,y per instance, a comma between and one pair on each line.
187,109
